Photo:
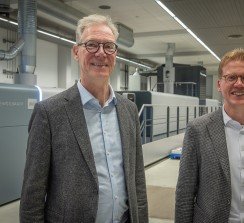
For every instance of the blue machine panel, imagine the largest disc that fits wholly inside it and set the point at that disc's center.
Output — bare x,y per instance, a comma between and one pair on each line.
16,105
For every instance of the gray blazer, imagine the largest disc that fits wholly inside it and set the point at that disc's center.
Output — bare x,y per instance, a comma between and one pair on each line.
60,179
203,193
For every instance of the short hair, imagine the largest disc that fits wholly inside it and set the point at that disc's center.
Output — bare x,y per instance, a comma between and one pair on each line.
95,19
234,55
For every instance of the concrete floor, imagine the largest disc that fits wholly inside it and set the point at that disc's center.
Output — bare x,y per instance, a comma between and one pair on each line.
10,214
161,183
161,180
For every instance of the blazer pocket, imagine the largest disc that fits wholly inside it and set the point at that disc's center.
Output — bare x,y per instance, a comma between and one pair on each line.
199,215
53,217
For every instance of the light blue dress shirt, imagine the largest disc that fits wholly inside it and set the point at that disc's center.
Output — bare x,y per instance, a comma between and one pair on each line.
104,133
235,143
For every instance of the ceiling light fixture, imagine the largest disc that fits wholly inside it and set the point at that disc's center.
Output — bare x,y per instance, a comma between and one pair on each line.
73,42
235,36
104,7
186,28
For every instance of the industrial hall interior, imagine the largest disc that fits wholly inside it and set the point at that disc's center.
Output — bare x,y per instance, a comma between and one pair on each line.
167,64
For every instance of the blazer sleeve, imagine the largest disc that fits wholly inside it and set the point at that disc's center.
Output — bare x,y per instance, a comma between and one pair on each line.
140,177
36,168
186,188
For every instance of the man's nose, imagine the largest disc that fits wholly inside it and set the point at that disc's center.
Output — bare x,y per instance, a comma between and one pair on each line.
240,80
100,49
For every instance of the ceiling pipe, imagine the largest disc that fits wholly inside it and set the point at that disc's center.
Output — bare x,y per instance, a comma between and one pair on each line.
60,40
70,15
13,50
16,47
60,10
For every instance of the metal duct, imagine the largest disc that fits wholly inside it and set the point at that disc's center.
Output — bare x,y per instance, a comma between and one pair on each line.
126,36
13,51
27,31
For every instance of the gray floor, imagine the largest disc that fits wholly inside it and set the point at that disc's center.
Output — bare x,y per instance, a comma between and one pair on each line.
9,214
162,175
161,181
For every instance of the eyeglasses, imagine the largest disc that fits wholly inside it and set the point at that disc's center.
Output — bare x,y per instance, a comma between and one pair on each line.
93,46
232,79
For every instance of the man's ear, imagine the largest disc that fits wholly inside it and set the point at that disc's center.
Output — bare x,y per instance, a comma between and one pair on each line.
218,86
75,52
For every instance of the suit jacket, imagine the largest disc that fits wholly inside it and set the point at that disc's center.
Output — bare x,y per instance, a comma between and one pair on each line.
203,192
60,179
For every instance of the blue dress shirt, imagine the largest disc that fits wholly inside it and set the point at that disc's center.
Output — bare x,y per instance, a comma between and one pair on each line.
234,132
104,133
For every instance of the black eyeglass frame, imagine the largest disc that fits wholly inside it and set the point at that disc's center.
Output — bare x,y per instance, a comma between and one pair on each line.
236,77
98,46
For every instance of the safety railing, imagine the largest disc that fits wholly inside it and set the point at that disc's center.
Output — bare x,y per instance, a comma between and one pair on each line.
160,121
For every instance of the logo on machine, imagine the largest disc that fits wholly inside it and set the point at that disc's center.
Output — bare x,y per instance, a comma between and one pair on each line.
31,103
14,103
11,103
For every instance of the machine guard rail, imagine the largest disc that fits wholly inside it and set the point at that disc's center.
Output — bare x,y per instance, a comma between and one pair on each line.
158,121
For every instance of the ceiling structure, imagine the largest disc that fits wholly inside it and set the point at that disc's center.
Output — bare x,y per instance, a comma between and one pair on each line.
212,21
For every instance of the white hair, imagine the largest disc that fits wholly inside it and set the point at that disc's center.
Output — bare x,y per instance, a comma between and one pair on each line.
93,20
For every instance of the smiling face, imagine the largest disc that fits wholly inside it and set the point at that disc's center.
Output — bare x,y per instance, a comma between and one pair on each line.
95,67
233,93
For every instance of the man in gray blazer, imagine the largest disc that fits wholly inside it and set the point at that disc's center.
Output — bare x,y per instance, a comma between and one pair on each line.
84,157
210,186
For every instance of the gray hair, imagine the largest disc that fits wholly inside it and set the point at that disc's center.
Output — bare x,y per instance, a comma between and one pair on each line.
94,20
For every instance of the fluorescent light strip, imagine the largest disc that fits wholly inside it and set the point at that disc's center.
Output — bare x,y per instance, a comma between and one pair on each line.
41,31
133,62
48,34
55,36
5,20
185,27
165,8
73,42
67,40
15,23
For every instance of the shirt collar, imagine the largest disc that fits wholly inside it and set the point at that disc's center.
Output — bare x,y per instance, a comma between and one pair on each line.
86,96
226,117
229,122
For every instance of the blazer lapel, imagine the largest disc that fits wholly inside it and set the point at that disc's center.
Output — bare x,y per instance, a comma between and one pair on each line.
76,116
124,133
217,135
